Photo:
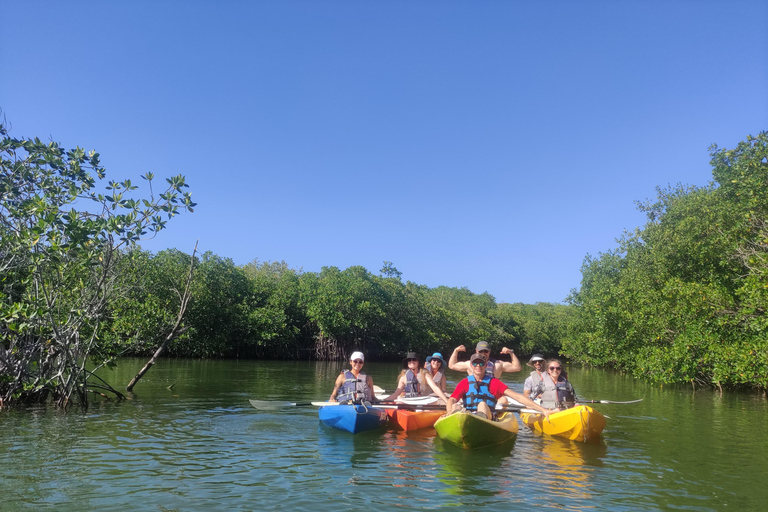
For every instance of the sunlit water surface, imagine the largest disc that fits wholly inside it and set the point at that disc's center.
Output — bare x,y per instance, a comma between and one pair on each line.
189,440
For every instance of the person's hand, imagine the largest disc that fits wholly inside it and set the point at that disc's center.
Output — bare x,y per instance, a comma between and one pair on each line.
506,350
332,399
460,348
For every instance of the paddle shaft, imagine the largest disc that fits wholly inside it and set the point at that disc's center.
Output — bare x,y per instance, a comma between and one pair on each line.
609,401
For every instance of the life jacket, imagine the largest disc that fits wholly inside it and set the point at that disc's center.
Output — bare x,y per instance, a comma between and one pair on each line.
437,377
412,386
555,394
490,368
536,377
354,388
479,391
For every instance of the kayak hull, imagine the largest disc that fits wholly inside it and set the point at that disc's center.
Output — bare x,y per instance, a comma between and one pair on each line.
468,430
352,418
580,423
412,420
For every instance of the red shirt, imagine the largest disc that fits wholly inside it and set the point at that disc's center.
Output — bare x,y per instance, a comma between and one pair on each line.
496,387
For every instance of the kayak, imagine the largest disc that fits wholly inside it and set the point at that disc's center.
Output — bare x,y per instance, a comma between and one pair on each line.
472,431
413,419
352,418
580,423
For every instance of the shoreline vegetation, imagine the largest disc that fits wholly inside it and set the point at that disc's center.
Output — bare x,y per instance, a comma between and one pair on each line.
682,300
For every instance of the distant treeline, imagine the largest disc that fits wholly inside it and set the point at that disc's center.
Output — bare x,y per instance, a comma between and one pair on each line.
268,310
685,299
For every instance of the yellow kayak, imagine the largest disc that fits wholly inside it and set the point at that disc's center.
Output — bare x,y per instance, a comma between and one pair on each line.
580,423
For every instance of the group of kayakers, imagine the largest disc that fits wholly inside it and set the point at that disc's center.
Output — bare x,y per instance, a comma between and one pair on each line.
479,392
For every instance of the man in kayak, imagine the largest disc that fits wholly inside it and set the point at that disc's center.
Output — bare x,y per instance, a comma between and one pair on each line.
415,381
555,390
538,363
494,368
353,385
479,392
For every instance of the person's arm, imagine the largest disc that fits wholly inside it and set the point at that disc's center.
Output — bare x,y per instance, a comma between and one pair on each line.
453,362
435,387
396,393
527,385
336,386
458,394
369,383
510,367
527,401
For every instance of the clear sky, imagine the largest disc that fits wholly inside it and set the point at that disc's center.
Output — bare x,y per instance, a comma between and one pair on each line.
488,144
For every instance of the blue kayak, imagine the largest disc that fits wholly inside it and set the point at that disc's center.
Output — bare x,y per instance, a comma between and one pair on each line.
352,418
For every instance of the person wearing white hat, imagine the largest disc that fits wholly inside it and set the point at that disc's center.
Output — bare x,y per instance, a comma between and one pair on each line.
538,363
353,385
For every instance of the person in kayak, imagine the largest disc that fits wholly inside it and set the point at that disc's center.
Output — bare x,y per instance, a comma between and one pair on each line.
436,368
479,392
554,389
494,368
415,381
353,385
538,363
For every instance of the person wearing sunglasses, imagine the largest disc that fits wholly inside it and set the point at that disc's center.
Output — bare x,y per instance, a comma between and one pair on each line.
494,368
554,389
538,363
436,368
353,385
478,393
415,381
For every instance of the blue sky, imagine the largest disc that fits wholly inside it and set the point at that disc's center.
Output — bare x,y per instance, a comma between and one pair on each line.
487,144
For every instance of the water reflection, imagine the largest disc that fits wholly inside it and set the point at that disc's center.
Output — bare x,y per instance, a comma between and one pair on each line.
467,472
200,446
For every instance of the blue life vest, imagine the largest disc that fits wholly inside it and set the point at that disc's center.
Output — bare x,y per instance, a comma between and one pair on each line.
479,391
354,388
411,384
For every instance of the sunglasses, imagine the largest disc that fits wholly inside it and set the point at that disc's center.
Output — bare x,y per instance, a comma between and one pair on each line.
478,363
556,368
358,361
485,351
413,360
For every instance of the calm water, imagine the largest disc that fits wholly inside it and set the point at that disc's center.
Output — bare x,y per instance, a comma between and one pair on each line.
200,446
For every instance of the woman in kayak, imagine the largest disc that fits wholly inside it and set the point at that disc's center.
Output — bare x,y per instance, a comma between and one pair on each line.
555,390
353,385
478,393
415,381
436,368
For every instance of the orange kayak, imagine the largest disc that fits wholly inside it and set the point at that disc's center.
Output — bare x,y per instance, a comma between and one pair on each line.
413,420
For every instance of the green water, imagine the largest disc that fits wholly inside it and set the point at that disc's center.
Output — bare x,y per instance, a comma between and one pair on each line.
200,446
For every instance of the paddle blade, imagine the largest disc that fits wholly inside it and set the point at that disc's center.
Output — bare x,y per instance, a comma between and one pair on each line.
270,405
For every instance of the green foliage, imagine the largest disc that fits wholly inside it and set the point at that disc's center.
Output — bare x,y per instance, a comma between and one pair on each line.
60,239
269,310
685,298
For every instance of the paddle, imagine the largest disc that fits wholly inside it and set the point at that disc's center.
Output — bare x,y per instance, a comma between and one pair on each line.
275,405
609,401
